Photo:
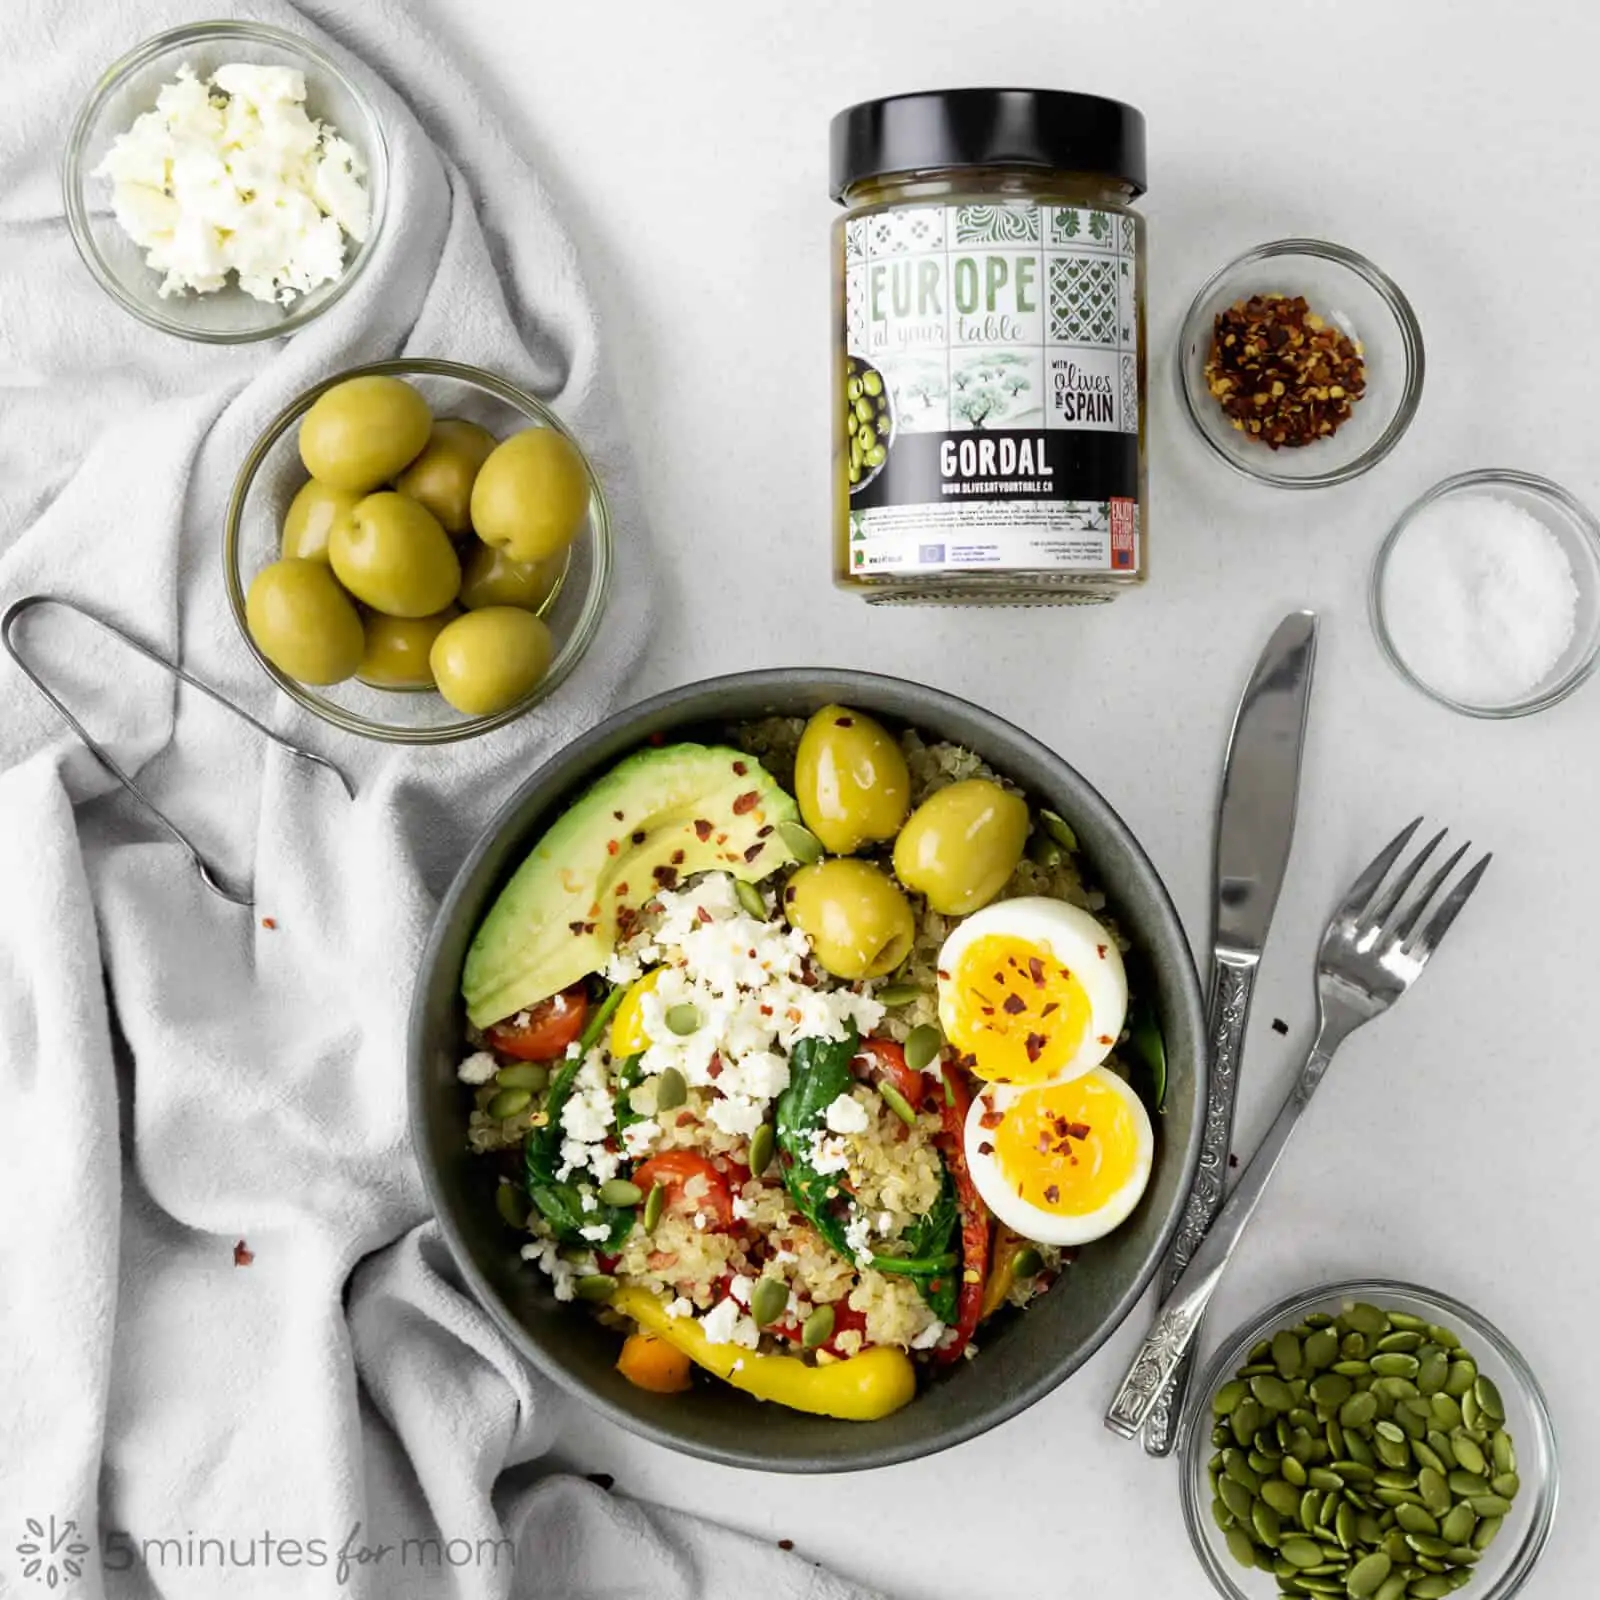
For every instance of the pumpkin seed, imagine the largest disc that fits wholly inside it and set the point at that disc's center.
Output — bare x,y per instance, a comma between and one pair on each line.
671,1089
1442,1448
1220,1434
1353,1345
1228,1396
1413,1519
1265,1521
513,1208
1488,1398
1240,1546
1446,1410
1272,1392
1293,1473
1444,1336
1328,1510
654,1204
1256,1368
619,1192
507,1103
1325,1478
1463,1374
899,994
1262,1464
1366,1319
1483,1535
922,1046
1432,1586
1236,1497
1221,1515
1027,1263
1286,1352
1427,1544
1283,1499
683,1019
1369,1530
1352,1369
818,1329
1321,1349
1463,1555
1468,1456
750,898
1353,1472
1471,1411
1358,1410
769,1299
532,1075
802,843
1392,1364
1331,1389
1490,1505
1237,1468
1392,1588
1457,1524
762,1143
1344,1525
1395,1546
1367,1574
1425,1456
897,1103
595,1286
1505,1484
1402,1339
1389,1478
1467,1483
1505,1457
1434,1490
1310,1505
1300,1553
1432,1373
1059,829
1358,1449
1247,1419
1318,1319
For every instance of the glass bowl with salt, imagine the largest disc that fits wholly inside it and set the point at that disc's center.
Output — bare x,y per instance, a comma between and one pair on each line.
1486,593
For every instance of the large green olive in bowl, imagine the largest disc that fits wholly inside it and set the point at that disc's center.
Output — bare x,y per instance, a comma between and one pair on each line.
397,649
850,780
364,431
489,659
489,577
962,844
312,516
441,478
303,622
394,556
531,496
859,922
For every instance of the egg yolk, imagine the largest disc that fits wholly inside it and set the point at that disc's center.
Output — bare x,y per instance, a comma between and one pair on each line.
1015,1010
1068,1148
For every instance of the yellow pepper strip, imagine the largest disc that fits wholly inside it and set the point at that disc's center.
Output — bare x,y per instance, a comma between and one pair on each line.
628,1037
1008,1245
860,1388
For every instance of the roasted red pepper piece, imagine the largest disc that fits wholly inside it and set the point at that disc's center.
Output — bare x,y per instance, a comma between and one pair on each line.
975,1220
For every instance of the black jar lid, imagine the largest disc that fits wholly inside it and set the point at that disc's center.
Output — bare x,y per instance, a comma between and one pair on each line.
1051,128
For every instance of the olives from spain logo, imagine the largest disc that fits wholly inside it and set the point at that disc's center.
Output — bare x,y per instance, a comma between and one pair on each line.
52,1552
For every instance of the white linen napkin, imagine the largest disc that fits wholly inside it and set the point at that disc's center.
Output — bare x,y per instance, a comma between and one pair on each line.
233,1356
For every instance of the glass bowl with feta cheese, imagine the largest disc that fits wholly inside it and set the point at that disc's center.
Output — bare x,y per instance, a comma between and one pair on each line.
226,182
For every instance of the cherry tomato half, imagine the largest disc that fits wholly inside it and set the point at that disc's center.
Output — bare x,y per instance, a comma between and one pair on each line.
548,1029
692,1185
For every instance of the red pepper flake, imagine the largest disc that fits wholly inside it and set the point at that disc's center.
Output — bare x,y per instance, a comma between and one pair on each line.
1078,1130
1013,1004
714,1066
678,858
613,847
1034,1044
576,928
722,838
702,829
1044,1144
985,1148
1036,971
739,769
988,1011
968,1062
1012,962
786,1544
1000,978
616,816
685,1118
243,1255
638,836
589,927
701,914
751,953
943,974
764,830
1052,1195
620,890
666,877
1049,1008
746,802
844,722
1100,950
766,1011
754,850
1279,1025
1105,1039
991,1119
788,896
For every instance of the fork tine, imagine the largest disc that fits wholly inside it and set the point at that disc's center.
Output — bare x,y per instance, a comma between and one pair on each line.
1427,941
1363,889
1402,929
1383,908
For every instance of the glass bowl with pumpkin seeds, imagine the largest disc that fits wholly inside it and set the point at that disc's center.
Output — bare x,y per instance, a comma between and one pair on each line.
1368,1440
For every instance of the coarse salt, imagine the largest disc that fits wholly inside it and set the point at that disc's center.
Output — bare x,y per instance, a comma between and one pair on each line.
1479,599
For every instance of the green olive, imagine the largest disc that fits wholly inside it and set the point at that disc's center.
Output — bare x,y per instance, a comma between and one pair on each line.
866,438
396,557
852,390
872,383
487,660
961,845
850,779
865,409
531,495
311,518
858,920
855,473
876,456
396,652
441,478
303,622
855,452
363,432
489,577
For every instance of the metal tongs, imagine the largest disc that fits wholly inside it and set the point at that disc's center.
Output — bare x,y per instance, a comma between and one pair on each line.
208,876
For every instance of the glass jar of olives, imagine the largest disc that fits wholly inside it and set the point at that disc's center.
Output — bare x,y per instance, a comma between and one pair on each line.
989,365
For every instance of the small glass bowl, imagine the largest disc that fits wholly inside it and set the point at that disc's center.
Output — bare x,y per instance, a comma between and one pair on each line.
272,474
1507,1562
1348,290
126,90
1579,533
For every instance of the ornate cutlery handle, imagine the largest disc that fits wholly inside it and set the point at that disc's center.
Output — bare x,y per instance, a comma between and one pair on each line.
1181,1312
1229,1010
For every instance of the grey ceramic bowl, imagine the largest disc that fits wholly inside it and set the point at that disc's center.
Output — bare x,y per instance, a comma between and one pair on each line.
1022,1358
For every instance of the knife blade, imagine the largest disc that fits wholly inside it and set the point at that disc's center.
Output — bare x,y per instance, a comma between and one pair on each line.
1255,830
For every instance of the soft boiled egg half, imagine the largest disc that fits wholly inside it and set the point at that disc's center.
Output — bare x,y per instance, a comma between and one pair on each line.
1064,1163
1031,991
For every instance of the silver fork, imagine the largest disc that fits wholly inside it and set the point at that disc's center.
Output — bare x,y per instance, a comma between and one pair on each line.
1375,946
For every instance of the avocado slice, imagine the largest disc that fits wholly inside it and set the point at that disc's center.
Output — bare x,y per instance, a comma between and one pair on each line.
655,819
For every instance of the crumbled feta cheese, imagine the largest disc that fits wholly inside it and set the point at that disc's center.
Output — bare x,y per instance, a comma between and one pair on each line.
233,176
621,968
596,1232
929,1337
739,1287
680,1307
737,1116
587,1201
723,1324
741,1208
478,1068
562,1274
858,1235
639,1137
847,1115
828,1155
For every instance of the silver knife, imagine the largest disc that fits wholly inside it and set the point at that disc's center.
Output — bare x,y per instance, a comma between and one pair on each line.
1255,828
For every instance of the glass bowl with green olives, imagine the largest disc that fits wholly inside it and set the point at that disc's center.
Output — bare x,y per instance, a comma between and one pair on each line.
1372,1440
417,551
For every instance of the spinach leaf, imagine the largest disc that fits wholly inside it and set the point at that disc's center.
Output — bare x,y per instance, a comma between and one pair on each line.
629,1075
932,1235
819,1072
560,1201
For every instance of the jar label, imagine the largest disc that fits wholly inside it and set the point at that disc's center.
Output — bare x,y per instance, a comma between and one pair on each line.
992,389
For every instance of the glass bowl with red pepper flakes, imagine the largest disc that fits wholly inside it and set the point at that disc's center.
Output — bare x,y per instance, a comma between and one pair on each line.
1301,364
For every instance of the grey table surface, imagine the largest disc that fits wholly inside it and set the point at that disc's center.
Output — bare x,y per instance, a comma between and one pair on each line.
1455,1142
